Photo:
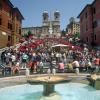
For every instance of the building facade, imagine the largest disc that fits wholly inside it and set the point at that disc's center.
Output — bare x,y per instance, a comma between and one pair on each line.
10,24
90,23
73,27
48,28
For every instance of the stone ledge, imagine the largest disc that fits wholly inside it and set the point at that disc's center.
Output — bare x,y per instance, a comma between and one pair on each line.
16,80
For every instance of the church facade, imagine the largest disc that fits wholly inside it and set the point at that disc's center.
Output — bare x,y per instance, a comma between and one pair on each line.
49,27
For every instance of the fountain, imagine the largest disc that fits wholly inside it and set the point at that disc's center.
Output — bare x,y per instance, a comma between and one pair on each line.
48,82
65,91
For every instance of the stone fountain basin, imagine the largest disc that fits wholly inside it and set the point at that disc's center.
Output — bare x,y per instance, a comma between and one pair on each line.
49,79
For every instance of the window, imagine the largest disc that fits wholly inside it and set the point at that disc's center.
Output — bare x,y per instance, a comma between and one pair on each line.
44,18
10,14
0,21
0,6
9,25
19,30
95,37
94,10
18,19
56,17
81,19
86,27
9,38
86,15
94,24
87,39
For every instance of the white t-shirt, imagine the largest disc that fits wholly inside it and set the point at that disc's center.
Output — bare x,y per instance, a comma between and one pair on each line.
13,57
89,63
76,63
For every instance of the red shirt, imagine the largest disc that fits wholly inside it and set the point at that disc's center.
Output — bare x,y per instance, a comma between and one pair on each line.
97,61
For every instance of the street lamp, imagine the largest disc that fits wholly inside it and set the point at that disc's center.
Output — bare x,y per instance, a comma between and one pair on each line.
50,28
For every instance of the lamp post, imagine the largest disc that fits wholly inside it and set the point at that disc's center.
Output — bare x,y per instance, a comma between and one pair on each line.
50,27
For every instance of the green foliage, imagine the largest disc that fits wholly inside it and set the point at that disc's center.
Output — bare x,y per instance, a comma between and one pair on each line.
76,35
29,33
63,33
26,35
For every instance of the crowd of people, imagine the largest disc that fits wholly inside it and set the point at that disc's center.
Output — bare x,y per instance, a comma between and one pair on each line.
63,61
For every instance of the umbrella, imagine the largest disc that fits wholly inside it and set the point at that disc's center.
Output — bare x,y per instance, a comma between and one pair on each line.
59,45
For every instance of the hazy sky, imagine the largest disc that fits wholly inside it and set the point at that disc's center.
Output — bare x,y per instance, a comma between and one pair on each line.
32,10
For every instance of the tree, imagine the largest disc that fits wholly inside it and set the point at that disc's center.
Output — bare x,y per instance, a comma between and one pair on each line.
76,37
63,33
28,34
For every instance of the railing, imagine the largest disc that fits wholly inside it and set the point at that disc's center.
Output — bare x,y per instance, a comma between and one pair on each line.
3,49
6,48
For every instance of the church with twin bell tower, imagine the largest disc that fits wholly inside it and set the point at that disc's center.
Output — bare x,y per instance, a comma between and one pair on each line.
50,26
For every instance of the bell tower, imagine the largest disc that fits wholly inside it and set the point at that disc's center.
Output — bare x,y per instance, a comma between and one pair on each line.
56,15
56,23
45,17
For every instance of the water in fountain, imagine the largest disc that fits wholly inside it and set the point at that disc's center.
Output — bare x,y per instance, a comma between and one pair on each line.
68,91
